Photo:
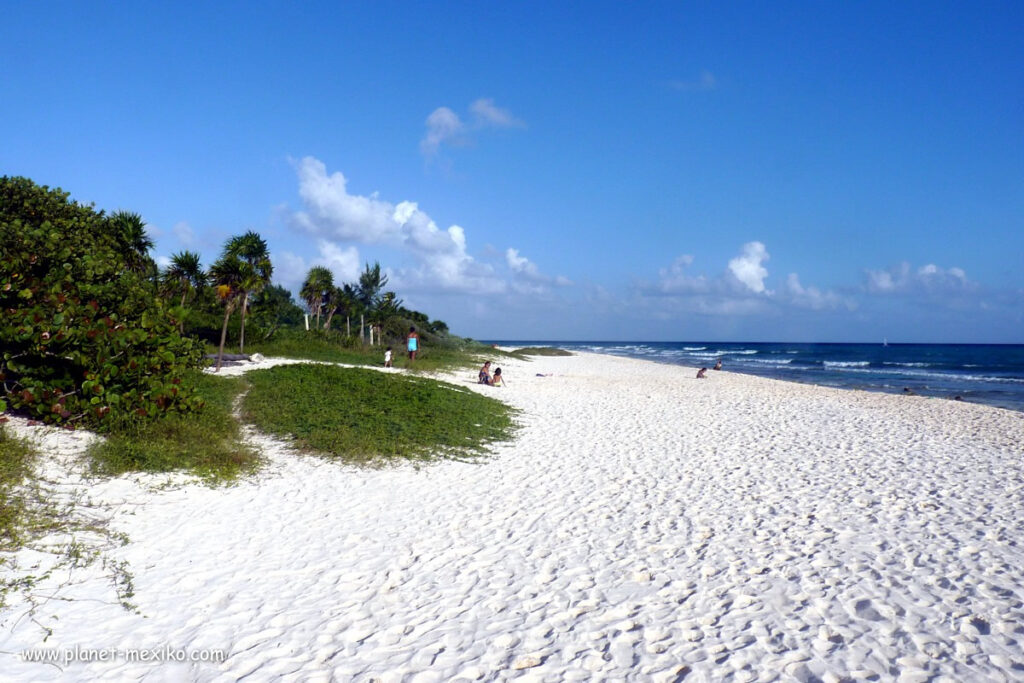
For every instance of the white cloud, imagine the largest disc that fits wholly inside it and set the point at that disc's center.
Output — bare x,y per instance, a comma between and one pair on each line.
343,263
445,127
333,214
528,276
489,115
747,266
812,297
928,279
163,261
291,269
740,290
675,279
183,231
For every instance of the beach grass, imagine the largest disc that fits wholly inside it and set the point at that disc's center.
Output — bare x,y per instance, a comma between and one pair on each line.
16,458
207,442
365,416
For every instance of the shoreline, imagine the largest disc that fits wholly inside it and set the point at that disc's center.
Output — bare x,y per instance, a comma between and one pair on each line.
931,370
644,524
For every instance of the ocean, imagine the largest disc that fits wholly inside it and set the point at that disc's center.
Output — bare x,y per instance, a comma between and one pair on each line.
992,374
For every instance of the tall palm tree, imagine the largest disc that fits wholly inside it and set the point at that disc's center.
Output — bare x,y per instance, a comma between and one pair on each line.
386,309
251,250
371,281
130,230
228,273
184,274
319,281
349,304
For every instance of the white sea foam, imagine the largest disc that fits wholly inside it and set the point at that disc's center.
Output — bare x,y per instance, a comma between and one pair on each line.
846,363
694,348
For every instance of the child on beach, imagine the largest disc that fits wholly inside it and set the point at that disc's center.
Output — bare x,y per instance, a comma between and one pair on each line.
413,343
718,365
497,381
387,357
702,373
484,376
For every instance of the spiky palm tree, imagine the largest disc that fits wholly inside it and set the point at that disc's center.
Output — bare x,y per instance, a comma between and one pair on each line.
319,281
252,250
130,230
350,305
184,274
386,309
228,273
371,281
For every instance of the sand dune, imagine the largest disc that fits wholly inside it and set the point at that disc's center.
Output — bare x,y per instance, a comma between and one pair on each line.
644,525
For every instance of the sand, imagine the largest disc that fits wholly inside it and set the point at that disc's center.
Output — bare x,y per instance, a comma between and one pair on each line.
644,525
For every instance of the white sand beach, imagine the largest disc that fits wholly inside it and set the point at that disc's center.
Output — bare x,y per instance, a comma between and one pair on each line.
644,525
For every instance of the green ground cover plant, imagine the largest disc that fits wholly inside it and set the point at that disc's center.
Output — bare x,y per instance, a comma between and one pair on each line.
366,416
16,459
541,351
206,442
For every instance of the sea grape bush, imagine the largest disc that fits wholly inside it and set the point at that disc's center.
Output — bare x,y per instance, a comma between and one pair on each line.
84,339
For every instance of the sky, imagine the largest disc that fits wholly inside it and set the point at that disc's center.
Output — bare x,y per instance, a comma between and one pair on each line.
769,171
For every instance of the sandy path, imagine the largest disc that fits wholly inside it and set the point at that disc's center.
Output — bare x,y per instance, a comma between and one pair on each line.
643,525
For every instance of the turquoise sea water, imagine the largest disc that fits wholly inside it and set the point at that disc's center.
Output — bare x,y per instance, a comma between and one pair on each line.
992,374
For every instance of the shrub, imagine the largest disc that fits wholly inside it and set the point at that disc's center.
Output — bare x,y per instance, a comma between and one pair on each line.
83,334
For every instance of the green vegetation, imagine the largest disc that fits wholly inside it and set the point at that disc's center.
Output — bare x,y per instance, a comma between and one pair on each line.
541,351
31,510
435,355
95,335
367,416
85,339
207,443
15,468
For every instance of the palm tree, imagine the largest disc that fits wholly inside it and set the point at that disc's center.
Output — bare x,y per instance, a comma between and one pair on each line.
251,249
370,283
130,230
228,273
319,281
386,308
349,304
184,274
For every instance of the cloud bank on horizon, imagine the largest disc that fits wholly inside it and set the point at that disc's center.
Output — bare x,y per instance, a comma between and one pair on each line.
424,261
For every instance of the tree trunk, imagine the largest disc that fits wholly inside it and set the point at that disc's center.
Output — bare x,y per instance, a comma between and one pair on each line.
362,329
223,335
348,326
327,325
241,336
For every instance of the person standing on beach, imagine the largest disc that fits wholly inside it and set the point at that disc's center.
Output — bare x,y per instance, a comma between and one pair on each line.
413,343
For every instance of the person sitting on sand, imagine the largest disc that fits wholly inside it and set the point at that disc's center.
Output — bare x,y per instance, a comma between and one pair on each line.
497,381
718,365
702,373
484,376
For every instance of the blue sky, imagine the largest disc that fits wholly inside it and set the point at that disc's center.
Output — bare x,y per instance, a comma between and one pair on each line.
604,171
